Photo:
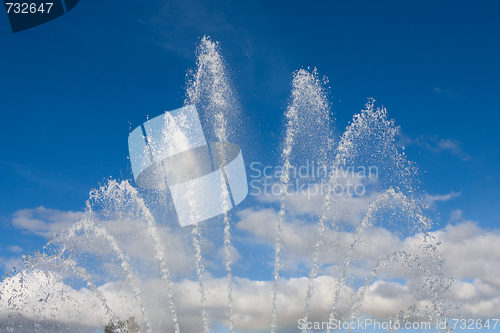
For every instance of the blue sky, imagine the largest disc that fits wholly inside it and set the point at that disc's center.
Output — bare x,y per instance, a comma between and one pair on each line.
72,89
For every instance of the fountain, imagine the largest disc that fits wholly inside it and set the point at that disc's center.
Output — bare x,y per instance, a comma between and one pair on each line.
299,251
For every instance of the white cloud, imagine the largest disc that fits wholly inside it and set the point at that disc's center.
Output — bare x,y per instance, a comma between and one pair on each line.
234,255
41,295
403,266
462,245
11,263
435,145
298,239
345,206
15,248
431,199
446,92
450,145
44,222
471,252
384,299
48,297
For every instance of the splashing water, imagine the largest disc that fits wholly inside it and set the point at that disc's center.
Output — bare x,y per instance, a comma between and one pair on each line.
381,200
210,90
306,115
129,262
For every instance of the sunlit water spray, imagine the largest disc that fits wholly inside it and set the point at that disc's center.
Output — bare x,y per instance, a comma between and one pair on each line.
408,206
88,226
152,226
210,90
307,124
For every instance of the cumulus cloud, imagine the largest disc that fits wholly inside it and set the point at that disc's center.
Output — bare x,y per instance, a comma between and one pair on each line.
473,258
462,245
11,263
388,272
298,239
350,198
42,296
43,221
471,252
464,251
46,296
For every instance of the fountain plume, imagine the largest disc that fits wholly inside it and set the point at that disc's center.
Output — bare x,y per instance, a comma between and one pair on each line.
307,113
210,90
